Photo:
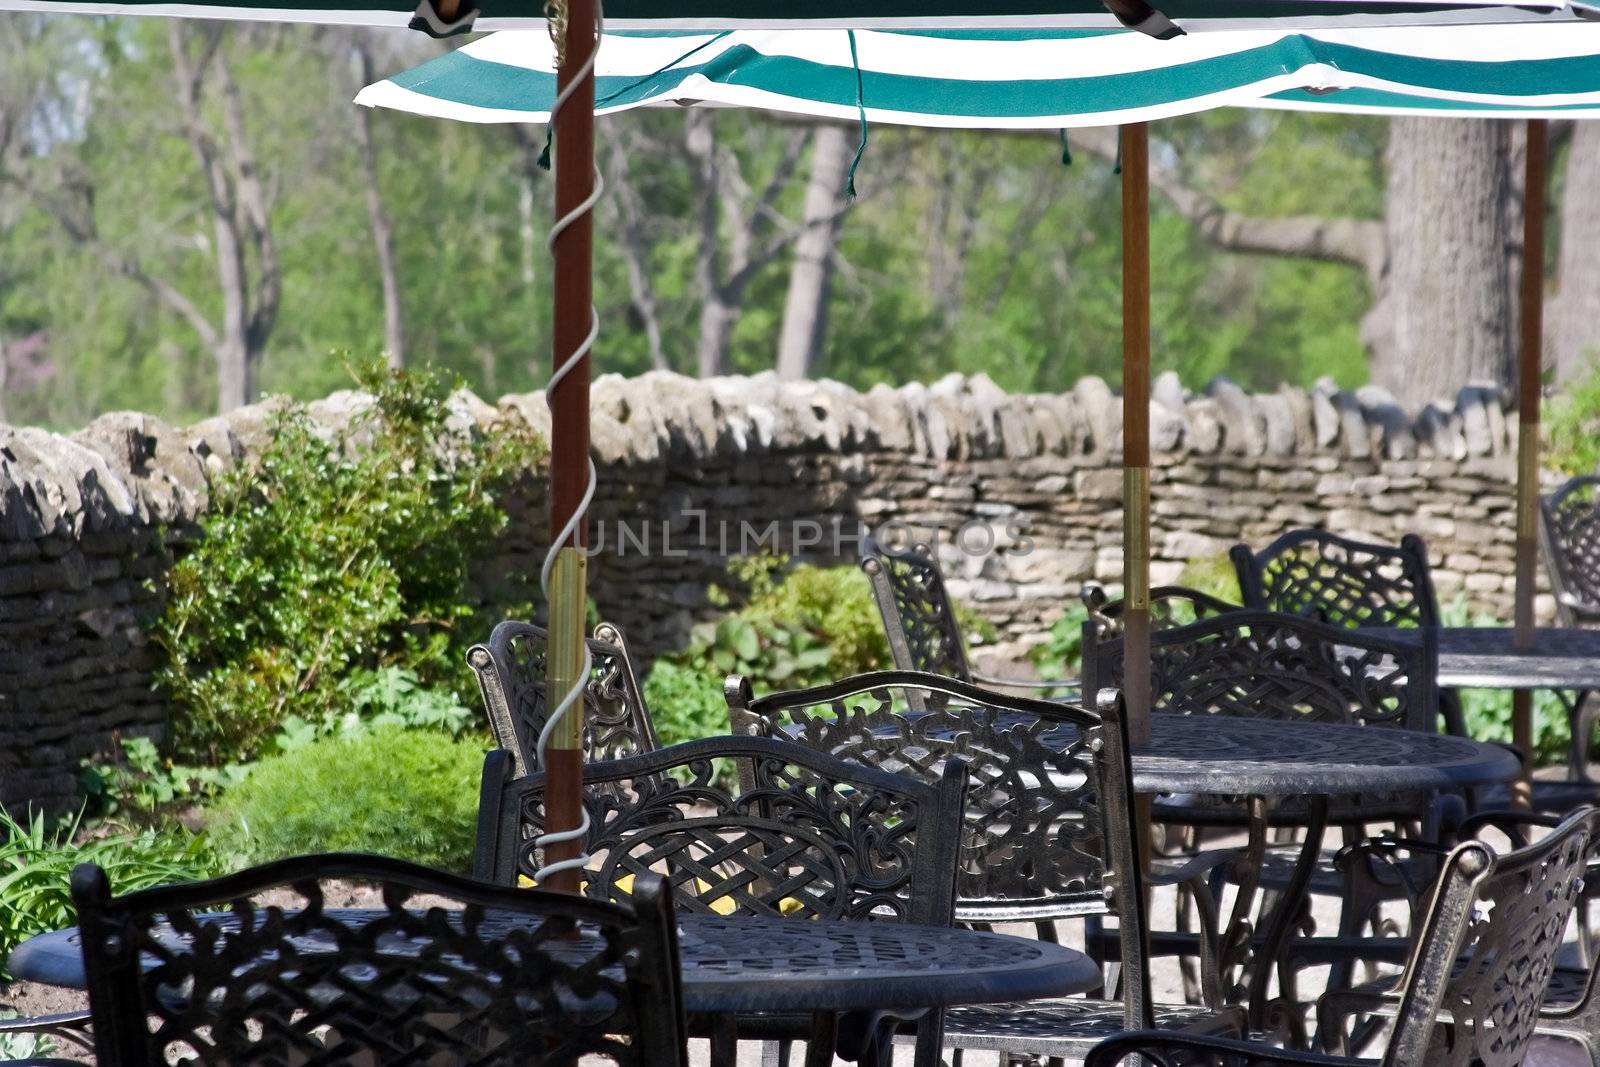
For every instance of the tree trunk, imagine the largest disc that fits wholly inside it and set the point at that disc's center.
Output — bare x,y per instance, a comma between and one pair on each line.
1574,337
716,327
1442,314
5,373
235,375
805,308
394,340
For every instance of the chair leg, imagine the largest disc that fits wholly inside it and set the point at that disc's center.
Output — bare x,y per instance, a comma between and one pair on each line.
775,1053
824,1036
724,1043
930,1041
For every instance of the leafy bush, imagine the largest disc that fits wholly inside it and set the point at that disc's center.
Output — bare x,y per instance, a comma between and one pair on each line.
1487,712
1574,426
36,862
814,625
390,790
145,783
1061,656
328,557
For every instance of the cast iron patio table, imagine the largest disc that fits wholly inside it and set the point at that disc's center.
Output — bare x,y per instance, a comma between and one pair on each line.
1486,657
1270,760
1266,761
846,975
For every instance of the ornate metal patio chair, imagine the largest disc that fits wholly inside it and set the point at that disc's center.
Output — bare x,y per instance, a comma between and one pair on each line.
1170,605
511,676
1048,830
1569,533
1263,664
1570,1008
1355,584
454,972
920,620
1481,961
805,835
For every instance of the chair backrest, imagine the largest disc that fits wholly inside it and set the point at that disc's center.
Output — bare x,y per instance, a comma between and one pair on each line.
1170,605
511,676
1487,946
1262,664
1339,581
803,835
917,613
1569,526
437,970
1047,830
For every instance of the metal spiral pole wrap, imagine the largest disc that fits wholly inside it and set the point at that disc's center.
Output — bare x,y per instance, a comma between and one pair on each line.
572,697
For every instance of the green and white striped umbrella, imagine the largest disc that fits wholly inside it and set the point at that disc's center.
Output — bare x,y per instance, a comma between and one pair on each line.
658,15
1029,79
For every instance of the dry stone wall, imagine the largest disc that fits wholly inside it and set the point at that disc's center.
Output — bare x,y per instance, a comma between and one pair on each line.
1023,494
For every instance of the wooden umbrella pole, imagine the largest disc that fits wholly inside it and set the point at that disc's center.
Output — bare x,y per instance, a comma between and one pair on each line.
1530,368
573,249
1136,428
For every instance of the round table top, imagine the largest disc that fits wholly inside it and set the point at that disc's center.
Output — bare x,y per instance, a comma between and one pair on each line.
1486,657
1223,755
746,964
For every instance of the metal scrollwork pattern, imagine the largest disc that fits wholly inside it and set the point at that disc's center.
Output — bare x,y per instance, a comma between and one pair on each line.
283,978
1258,664
511,676
803,836
916,610
1341,582
1570,524
1509,931
1034,834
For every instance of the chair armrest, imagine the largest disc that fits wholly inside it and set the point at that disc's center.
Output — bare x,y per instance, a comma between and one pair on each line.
1022,683
1160,1045
1508,821
59,1023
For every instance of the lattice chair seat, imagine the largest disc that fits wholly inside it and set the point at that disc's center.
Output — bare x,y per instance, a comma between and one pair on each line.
510,668
920,620
800,835
1570,531
1345,583
1263,664
445,971
1047,831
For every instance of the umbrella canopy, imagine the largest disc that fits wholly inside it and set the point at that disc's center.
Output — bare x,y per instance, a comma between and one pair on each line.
1028,79
725,14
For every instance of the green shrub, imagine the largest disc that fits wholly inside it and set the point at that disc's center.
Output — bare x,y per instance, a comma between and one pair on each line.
1573,418
813,625
1061,656
326,558
389,790
36,862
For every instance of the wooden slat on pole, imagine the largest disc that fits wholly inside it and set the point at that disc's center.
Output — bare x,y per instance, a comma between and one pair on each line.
1136,428
1530,363
569,427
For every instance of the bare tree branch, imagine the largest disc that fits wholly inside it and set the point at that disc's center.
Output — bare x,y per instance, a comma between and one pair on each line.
1356,242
